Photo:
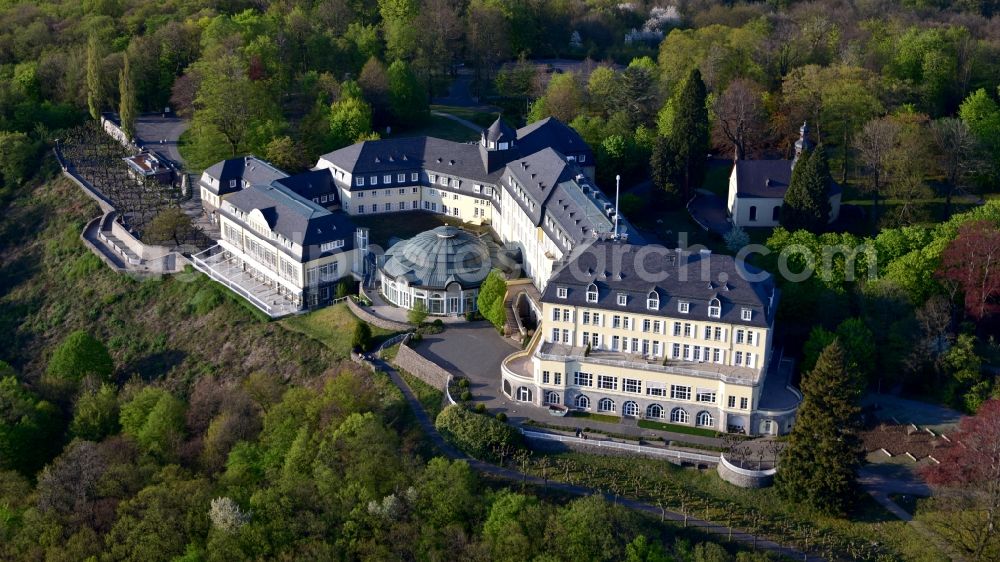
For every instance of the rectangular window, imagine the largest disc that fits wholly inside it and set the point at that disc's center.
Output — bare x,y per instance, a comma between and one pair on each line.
739,358
359,181
656,348
635,345
414,189
561,292
718,334
583,379
678,392
597,319
751,338
327,246
675,351
402,205
657,326
361,195
387,207
732,401
739,336
632,385
556,315
586,317
607,382
558,378
687,330
388,192
622,299
716,354
697,353
583,158
687,352
616,321
565,336
322,199
677,329
714,311
708,333
615,342
414,176
744,403
645,347
567,315
646,324
414,204
361,209
746,314
373,180
705,395
555,335
545,377
402,190
400,178
683,307
443,180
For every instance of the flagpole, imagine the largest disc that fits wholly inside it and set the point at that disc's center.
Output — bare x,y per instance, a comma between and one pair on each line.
618,180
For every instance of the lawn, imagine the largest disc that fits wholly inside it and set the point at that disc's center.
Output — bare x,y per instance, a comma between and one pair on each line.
383,228
333,326
597,417
482,118
430,398
442,128
685,429
871,533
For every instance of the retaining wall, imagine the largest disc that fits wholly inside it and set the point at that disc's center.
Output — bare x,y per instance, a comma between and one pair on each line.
744,478
420,367
378,321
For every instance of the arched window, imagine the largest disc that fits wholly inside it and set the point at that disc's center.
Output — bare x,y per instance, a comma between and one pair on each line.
582,402
524,394
704,419
653,300
506,387
654,411
552,397
630,409
606,405
678,415
776,213
753,213
592,293
714,308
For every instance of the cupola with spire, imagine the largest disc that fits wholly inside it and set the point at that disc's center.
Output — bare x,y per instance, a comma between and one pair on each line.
803,144
499,136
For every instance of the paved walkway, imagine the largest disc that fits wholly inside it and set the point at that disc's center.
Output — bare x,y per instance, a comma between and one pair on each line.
722,532
709,211
159,133
464,122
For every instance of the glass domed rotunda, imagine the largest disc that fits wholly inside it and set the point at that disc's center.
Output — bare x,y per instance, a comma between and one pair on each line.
442,268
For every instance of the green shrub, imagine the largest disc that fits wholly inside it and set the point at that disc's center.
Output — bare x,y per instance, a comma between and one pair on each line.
490,299
686,429
480,408
463,383
480,436
501,417
206,299
417,314
438,323
466,396
362,337
78,356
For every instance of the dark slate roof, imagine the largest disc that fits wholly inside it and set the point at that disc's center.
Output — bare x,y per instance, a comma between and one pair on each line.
766,178
675,275
310,184
500,132
436,258
551,133
248,168
297,219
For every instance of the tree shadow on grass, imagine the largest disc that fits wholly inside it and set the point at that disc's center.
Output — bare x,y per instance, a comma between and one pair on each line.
155,365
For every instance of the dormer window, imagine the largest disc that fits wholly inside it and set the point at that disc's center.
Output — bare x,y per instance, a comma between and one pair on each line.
359,181
592,293
622,299
653,301
683,307
746,314
503,146
561,292
232,183
714,308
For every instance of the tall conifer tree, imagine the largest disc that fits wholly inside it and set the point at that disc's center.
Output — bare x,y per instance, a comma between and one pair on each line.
819,465
689,133
127,107
807,203
95,88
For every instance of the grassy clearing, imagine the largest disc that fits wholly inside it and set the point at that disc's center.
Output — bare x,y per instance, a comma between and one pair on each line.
685,429
870,533
442,128
333,326
430,398
482,118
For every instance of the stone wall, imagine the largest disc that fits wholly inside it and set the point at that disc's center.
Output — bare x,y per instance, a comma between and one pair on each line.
420,367
378,321
744,478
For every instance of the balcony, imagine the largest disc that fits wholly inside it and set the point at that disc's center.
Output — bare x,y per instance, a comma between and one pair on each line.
712,371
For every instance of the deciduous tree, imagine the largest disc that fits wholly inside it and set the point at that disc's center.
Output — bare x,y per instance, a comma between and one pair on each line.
740,118
970,261
171,224
77,356
127,105
967,482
